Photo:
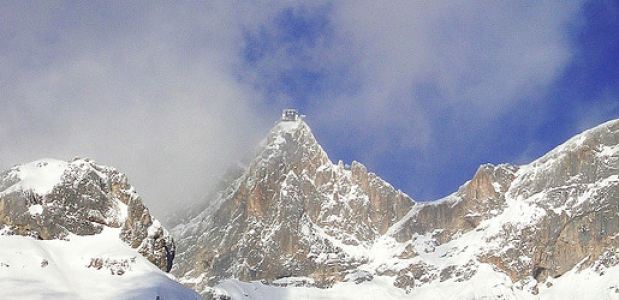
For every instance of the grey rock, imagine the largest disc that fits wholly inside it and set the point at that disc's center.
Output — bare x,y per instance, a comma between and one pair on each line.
294,213
287,215
86,198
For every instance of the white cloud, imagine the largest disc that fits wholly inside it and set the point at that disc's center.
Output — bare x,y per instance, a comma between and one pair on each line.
150,91
166,94
390,68
433,78
467,63
466,48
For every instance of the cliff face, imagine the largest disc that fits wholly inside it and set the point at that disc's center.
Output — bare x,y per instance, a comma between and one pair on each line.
479,199
574,191
533,223
51,199
289,215
294,216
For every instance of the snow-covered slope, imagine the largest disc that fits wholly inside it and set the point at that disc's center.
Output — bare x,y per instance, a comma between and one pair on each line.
488,284
93,267
295,221
78,230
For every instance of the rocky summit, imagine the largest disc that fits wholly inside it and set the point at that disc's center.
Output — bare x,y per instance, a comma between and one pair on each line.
294,218
289,215
294,224
50,199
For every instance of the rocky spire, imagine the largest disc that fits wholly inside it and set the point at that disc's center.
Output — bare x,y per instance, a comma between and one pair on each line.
291,213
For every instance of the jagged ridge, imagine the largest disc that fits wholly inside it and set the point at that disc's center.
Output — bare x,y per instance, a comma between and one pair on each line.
294,214
289,215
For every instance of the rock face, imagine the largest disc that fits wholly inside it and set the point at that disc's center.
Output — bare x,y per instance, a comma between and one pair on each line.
289,215
479,199
51,199
533,223
574,192
294,214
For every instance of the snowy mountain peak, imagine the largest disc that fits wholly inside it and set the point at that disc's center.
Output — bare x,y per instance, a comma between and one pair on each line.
39,176
290,129
50,199
511,232
290,212
586,159
77,229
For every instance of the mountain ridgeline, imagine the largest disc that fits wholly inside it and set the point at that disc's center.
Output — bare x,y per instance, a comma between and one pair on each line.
289,215
294,217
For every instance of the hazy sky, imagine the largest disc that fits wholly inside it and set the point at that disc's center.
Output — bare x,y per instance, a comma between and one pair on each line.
421,92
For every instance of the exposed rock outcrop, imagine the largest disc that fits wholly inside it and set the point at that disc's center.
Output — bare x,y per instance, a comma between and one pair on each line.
574,191
51,199
295,214
533,222
479,199
289,215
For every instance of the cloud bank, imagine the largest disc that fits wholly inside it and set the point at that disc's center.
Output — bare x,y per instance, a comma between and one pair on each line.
149,90
173,94
426,87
